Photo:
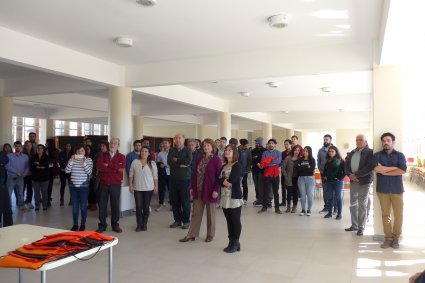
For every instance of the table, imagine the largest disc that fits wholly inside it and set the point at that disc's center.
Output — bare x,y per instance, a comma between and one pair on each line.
16,236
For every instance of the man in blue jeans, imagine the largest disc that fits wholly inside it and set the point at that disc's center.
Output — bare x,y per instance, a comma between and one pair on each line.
321,161
179,159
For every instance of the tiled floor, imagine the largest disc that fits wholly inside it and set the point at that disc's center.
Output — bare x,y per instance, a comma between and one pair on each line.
274,248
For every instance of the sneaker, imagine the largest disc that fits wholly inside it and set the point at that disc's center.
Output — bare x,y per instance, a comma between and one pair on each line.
386,244
395,244
325,210
308,213
329,215
159,207
302,212
117,229
338,217
257,203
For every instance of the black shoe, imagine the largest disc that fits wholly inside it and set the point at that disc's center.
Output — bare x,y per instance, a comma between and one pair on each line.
82,227
360,233
138,229
74,228
234,247
338,217
325,210
329,215
144,228
117,229
350,229
44,208
175,224
101,229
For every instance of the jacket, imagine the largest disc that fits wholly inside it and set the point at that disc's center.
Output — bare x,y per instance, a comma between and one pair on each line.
40,174
245,159
364,174
234,179
210,183
334,171
181,168
112,173
321,158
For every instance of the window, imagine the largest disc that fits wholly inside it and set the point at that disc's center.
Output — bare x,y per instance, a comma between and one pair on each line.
22,126
73,128
59,128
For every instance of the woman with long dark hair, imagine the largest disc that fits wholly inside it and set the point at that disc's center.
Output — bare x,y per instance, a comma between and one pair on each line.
231,196
334,175
80,168
205,189
39,164
305,169
53,154
291,177
143,178
28,179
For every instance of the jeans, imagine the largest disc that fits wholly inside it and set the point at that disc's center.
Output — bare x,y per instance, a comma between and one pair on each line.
142,200
79,197
163,185
40,187
18,184
306,187
245,185
359,195
334,189
106,192
233,219
180,200
256,184
271,183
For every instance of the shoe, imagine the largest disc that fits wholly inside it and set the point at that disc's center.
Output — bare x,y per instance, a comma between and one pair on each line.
144,228
395,244
282,204
278,211
101,229
386,244
159,207
44,208
74,228
257,203
37,209
302,212
329,215
294,209
82,227
175,224
117,229
208,239
308,213
234,247
338,217
187,239
29,205
334,212
138,229
262,210
185,226
351,229
360,232
269,205
288,209
325,210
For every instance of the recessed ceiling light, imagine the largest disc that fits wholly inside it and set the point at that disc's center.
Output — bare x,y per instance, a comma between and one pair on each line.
340,110
123,41
278,21
285,112
273,84
146,3
244,93
331,14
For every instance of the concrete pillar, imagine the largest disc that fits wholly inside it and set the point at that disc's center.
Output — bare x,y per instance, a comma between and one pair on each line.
289,133
299,134
267,131
387,117
201,132
6,112
224,125
120,118
50,128
138,127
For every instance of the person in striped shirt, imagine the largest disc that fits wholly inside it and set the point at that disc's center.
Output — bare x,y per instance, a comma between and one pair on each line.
80,168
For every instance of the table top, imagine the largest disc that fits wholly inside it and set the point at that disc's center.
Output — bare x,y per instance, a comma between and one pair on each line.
15,236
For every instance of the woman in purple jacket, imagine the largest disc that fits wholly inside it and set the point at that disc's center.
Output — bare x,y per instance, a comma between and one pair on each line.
204,189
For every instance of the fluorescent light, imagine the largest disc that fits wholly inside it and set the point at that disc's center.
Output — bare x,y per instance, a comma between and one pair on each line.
343,26
331,14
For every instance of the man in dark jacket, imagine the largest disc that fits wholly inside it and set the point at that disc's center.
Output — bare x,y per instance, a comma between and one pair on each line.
5,206
359,166
245,160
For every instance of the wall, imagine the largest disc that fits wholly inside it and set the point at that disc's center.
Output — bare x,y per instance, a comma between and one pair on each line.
170,131
346,139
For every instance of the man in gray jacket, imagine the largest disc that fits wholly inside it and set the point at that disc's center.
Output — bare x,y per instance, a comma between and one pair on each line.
359,166
321,161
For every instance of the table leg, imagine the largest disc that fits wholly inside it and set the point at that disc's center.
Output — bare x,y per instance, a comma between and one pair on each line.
110,265
43,277
20,275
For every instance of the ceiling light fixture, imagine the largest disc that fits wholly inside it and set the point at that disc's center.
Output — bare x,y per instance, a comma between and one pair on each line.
122,41
273,84
245,94
278,21
146,3
325,89
285,112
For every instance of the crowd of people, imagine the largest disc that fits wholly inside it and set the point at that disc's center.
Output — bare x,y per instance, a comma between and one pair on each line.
204,175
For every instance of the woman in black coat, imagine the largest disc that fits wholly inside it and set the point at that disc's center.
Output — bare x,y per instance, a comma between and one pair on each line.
231,196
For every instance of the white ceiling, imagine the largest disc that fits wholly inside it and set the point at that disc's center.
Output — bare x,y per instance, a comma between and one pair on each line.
213,49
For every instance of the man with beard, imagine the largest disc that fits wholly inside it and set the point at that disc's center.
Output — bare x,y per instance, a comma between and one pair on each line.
287,152
321,161
257,172
390,165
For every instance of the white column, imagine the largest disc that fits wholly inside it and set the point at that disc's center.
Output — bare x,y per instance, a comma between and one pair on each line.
289,133
50,128
138,127
224,125
120,118
6,112
200,132
267,131
387,117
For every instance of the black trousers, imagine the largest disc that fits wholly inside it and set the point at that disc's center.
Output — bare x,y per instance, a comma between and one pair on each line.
234,226
6,218
293,192
63,178
284,188
180,200
112,192
50,186
245,185
163,185
28,188
271,183
143,200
